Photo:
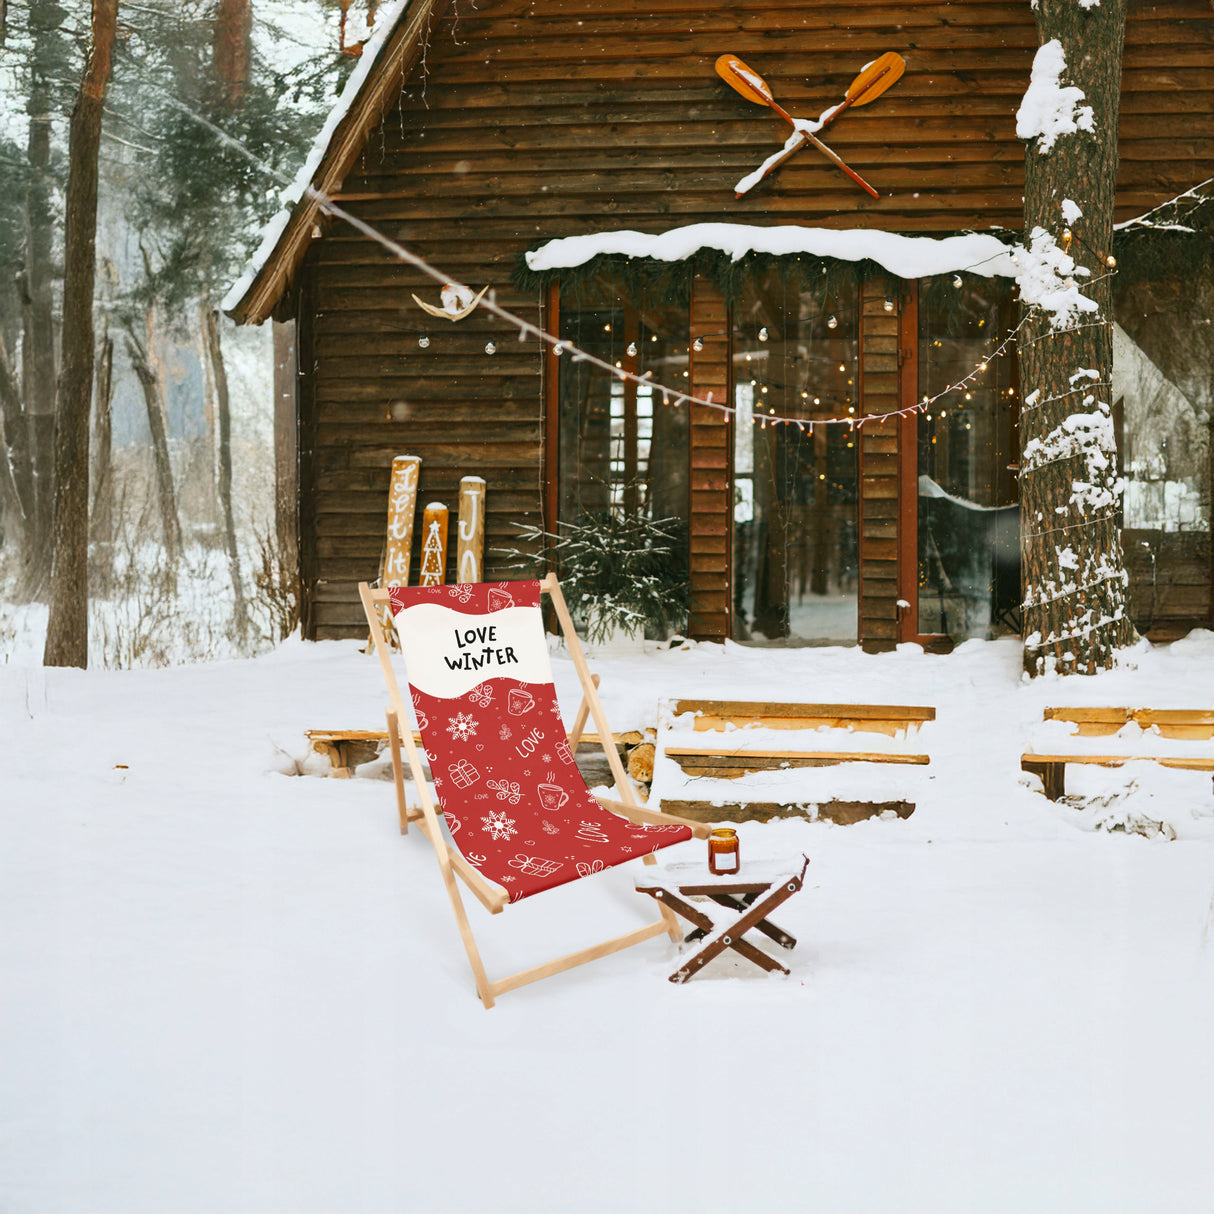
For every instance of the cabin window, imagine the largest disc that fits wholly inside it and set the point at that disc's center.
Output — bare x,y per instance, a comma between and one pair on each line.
795,515
968,512
1163,399
619,447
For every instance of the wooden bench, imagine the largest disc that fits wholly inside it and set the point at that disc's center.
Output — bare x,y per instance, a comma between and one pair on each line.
347,748
729,761
1187,724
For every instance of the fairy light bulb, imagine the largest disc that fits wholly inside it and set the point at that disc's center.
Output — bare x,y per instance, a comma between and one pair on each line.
832,321
632,349
1110,261
606,328
763,334
697,345
1067,237
957,281
558,349
490,347
888,305
424,342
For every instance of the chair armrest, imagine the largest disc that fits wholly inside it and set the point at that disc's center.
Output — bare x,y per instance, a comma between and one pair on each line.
653,817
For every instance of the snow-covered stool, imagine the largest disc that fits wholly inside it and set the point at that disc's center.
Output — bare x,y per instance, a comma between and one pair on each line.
745,905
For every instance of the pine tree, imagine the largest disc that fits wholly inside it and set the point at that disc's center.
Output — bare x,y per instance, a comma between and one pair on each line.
67,634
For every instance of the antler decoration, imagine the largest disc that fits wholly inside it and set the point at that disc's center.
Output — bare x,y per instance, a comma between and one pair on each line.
458,302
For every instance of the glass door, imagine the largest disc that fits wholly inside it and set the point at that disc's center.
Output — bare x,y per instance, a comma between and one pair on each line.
796,478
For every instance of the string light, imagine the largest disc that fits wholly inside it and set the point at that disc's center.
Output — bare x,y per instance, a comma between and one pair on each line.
424,342
832,321
671,396
763,334
632,349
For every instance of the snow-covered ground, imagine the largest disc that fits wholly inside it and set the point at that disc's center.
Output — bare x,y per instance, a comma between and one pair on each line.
226,989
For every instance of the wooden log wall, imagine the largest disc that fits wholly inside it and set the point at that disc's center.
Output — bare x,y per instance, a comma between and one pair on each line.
711,466
880,392
523,121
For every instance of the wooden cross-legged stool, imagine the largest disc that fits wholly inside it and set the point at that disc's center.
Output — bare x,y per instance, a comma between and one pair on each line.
749,900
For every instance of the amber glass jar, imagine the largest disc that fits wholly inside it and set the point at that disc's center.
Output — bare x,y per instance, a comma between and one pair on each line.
723,853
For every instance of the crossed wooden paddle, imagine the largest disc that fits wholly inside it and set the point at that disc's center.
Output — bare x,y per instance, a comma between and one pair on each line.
872,81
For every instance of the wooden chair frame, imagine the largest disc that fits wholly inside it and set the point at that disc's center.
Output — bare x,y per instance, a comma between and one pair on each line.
452,864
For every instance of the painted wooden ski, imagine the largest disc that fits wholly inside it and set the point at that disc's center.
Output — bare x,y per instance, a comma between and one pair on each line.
434,545
470,546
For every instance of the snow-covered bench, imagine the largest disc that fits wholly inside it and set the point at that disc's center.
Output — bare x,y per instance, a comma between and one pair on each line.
1154,735
347,748
728,740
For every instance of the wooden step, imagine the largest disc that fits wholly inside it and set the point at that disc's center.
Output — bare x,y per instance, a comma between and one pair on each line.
734,764
872,718
1184,723
842,813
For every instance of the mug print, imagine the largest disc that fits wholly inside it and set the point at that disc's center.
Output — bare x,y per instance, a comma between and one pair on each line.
500,599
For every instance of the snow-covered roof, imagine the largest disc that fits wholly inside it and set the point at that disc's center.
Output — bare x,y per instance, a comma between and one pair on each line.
253,295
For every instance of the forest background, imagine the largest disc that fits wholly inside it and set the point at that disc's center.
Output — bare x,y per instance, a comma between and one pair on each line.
184,558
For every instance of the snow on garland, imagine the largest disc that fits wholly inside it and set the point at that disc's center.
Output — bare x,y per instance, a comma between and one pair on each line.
905,256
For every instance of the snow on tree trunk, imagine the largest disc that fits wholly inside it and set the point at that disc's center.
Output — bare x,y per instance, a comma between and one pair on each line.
1073,578
67,633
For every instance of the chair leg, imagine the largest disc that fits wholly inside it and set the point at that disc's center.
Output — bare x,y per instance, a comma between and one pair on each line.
398,773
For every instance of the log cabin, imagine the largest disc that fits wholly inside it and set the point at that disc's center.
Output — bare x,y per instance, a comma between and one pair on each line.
483,137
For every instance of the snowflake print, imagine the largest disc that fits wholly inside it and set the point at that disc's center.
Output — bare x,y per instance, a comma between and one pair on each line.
461,727
482,695
498,825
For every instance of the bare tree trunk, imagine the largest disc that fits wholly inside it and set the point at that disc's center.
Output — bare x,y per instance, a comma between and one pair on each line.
101,522
223,402
211,501
38,342
1073,576
231,53
153,397
67,632
14,452
12,508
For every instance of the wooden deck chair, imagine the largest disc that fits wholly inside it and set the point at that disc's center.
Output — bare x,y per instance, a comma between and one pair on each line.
514,803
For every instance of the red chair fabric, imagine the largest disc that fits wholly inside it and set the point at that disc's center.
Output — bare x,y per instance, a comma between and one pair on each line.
513,798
